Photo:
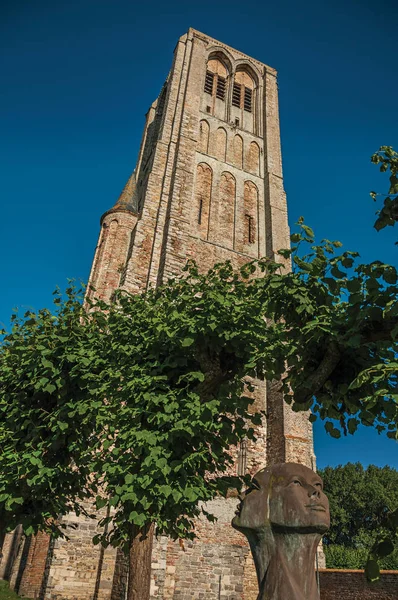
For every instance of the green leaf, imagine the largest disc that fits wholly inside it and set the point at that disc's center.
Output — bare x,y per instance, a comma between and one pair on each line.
372,570
100,502
46,363
352,425
308,231
384,548
188,341
353,285
390,275
332,431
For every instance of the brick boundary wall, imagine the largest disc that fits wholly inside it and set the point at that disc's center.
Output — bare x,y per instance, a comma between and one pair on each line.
350,584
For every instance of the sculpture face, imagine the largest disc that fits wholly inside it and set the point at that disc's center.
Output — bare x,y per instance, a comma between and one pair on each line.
288,495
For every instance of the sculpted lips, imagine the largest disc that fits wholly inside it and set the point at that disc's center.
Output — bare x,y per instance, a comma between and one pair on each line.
318,507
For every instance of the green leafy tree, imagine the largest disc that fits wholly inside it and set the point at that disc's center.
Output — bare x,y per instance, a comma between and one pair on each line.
142,398
47,416
363,507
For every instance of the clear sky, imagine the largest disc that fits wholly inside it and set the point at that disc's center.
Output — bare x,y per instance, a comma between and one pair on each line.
77,77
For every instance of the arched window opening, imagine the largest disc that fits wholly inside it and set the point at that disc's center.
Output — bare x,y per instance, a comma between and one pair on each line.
222,216
253,159
242,92
216,79
220,144
237,152
204,179
243,101
204,130
215,88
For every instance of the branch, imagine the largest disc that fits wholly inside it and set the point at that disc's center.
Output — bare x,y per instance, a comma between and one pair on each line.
376,331
217,368
319,377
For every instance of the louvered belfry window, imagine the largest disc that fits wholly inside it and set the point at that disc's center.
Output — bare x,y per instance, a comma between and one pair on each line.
242,97
215,82
247,101
221,85
236,92
209,82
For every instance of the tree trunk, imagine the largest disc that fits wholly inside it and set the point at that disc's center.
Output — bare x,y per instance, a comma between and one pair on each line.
2,538
140,558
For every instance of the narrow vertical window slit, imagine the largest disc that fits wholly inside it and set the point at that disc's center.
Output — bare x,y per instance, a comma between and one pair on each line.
242,458
249,229
200,210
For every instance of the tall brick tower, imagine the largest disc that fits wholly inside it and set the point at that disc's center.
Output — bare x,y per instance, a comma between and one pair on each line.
207,185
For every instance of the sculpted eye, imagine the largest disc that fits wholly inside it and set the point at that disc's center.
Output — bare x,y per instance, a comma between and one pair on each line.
296,482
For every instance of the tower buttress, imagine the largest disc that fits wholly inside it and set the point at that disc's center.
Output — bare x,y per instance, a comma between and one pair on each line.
117,227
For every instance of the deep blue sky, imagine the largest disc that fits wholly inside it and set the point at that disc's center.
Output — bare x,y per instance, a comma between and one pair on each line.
77,77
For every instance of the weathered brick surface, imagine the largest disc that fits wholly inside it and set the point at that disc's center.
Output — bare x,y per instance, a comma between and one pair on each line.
352,585
31,580
208,185
10,548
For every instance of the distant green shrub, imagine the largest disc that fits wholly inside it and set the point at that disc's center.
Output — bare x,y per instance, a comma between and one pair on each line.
341,557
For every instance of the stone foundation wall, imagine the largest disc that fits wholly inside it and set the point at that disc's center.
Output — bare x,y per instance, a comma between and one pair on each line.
338,584
79,570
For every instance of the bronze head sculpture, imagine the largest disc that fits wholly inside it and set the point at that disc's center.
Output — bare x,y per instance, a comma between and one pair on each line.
284,514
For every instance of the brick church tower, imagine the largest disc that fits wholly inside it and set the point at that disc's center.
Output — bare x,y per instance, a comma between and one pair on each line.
207,185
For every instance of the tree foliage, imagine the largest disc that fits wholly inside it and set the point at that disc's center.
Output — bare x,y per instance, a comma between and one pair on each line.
47,415
142,398
364,514
387,158
360,499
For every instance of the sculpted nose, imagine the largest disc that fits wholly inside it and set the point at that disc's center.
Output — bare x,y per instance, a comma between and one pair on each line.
314,492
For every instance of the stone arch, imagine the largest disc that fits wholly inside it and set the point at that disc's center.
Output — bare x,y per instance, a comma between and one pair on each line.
243,65
204,132
222,218
217,67
201,206
215,97
219,145
253,159
244,78
216,52
237,151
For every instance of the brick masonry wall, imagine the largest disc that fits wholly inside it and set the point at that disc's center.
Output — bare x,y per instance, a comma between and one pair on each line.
352,585
79,570
32,576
